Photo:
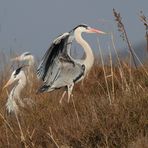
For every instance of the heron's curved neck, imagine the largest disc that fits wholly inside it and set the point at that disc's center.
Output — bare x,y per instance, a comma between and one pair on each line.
31,61
19,87
89,59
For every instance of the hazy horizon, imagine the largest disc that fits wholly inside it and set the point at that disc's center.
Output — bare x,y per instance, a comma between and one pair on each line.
32,25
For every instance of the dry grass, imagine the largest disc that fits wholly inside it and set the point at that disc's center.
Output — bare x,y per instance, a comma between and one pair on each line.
101,123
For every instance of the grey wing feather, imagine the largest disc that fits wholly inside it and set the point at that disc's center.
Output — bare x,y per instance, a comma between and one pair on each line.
49,56
51,62
68,75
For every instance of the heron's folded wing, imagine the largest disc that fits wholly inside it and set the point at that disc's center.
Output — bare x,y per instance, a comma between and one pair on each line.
68,74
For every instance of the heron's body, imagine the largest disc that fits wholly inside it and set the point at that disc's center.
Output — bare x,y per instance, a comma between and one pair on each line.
58,69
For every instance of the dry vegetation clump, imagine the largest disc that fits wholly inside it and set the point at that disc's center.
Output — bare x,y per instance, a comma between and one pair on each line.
89,120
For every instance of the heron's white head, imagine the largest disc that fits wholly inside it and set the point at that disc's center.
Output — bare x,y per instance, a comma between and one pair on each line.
26,56
85,28
15,76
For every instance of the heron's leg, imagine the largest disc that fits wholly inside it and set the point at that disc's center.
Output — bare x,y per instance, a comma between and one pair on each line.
62,97
70,88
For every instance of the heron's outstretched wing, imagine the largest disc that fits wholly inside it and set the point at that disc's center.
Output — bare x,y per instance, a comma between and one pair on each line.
50,64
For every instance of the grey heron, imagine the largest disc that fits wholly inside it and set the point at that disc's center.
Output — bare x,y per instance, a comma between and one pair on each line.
28,59
58,68
14,98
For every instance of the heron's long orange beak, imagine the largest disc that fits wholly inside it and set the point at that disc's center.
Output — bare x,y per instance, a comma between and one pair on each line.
96,31
8,83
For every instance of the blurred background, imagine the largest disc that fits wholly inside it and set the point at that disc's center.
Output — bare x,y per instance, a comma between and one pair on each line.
31,25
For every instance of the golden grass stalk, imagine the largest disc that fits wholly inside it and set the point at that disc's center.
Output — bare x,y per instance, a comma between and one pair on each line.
123,78
9,126
144,20
76,112
105,76
50,134
23,141
112,74
124,35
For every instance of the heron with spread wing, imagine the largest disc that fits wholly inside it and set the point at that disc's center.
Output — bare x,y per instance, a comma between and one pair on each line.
58,69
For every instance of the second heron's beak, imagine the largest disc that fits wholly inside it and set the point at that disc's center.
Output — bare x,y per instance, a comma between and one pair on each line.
8,83
16,58
92,30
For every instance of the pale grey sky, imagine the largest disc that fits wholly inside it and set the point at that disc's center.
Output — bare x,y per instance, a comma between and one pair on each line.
31,25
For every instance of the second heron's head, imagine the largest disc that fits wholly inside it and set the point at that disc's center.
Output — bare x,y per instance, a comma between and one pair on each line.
26,56
16,75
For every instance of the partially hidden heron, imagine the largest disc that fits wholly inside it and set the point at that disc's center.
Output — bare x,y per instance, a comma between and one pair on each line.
28,59
59,69
15,100
14,97
26,56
